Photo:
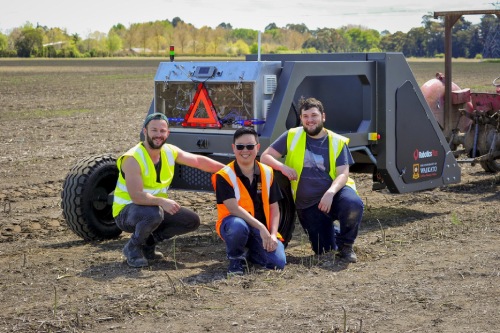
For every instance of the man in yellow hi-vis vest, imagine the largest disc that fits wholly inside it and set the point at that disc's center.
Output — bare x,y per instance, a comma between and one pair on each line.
247,206
317,164
141,204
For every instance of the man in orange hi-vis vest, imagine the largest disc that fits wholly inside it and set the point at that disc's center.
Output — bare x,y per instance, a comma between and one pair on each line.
247,207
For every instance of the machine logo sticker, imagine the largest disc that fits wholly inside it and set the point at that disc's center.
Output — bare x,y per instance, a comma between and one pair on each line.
424,154
424,170
416,173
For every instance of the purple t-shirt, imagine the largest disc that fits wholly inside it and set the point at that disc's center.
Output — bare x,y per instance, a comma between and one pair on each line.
315,178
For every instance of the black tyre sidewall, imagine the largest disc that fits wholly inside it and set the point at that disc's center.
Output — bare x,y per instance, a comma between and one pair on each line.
287,208
88,178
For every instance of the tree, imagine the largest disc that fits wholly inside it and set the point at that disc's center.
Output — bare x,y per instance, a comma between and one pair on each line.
218,36
169,34
3,42
300,28
363,39
54,35
194,39
271,26
75,38
476,46
181,35
238,48
435,38
490,30
393,43
293,39
247,35
144,34
119,29
114,42
272,35
132,35
96,44
468,39
158,31
204,37
414,45
30,43
329,40
462,34
227,26
176,20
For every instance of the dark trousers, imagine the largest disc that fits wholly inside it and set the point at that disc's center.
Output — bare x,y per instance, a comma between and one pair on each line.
347,208
150,224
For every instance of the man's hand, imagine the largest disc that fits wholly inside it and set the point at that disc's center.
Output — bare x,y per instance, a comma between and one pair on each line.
268,242
170,206
274,244
288,172
325,203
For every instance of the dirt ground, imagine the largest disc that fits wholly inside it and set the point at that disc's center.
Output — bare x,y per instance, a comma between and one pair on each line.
428,261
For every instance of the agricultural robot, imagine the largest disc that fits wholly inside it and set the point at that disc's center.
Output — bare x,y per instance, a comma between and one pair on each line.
371,98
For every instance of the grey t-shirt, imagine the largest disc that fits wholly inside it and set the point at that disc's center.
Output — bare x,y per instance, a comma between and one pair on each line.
315,178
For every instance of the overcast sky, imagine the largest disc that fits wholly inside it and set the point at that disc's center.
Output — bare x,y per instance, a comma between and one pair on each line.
87,16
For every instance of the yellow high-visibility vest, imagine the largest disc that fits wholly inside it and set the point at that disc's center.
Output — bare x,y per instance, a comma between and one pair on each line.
296,151
168,156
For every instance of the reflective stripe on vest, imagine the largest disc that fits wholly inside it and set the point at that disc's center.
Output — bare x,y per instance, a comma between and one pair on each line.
296,147
167,155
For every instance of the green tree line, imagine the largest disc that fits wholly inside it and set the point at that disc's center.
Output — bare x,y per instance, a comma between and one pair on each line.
480,40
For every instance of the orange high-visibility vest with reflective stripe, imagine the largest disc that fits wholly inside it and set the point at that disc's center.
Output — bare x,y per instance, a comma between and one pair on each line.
242,196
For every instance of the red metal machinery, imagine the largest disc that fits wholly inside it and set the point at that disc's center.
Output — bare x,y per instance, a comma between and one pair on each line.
470,121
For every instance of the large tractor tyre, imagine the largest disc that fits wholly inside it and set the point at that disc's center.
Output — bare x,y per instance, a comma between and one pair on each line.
85,198
287,208
492,166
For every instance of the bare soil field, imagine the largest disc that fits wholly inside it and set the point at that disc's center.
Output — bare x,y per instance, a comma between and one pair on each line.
428,261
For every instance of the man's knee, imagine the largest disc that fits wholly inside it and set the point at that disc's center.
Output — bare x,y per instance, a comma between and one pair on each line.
356,210
235,226
152,214
133,215
280,257
352,206
193,223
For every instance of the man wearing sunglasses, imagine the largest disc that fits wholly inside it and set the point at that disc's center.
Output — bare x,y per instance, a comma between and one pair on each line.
141,204
317,165
247,207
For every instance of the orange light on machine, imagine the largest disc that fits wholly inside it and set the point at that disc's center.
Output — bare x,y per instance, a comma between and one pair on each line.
373,136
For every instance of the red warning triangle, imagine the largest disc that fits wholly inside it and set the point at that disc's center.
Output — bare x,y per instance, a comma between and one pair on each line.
201,112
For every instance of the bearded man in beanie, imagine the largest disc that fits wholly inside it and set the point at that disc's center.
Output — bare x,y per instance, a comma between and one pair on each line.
141,205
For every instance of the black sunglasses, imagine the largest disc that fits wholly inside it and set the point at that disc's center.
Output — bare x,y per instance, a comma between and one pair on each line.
248,147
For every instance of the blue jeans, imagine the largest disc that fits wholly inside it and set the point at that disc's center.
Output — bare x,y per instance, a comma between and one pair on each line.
238,235
347,207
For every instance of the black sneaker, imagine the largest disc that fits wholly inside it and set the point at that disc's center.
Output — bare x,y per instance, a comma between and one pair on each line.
134,255
347,254
235,268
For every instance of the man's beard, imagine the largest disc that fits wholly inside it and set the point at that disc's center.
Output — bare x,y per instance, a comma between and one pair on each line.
152,144
314,131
